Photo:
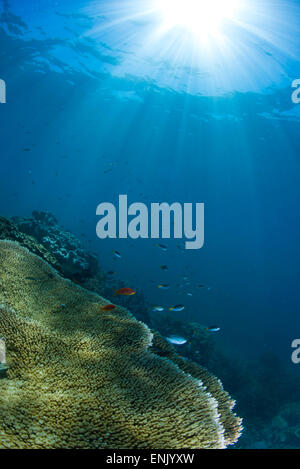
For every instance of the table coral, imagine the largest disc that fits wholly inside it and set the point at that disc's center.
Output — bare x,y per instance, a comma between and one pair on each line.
231,423
80,377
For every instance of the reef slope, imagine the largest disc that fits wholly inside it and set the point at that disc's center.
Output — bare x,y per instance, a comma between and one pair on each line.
80,377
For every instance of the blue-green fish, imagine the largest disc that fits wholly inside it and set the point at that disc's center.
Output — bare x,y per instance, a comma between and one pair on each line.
158,309
162,247
117,254
177,308
176,340
213,329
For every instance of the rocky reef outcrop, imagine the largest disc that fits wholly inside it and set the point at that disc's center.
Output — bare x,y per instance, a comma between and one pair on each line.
81,377
74,261
10,231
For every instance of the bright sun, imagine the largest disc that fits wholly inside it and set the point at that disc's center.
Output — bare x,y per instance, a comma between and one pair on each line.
201,17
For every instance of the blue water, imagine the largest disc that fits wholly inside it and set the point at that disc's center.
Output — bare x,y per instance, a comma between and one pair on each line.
106,111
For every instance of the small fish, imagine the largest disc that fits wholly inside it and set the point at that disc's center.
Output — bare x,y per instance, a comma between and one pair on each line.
162,247
213,329
189,294
158,309
164,267
176,340
125,292
117,254
200,286
177,308
111,272
164,287
108,307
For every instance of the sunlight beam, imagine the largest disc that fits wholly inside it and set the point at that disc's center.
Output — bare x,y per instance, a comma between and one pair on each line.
203,18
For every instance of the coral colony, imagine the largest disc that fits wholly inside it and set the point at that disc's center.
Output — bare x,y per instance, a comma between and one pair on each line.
49,324
64,246
45,347
162,218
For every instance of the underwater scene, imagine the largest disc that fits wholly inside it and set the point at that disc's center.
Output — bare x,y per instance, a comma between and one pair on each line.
149,224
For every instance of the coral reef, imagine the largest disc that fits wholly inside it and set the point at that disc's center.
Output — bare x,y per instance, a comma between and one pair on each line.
80,377
74,261
230,422
280,432
265,390
10,231
199,343
285,427
86,272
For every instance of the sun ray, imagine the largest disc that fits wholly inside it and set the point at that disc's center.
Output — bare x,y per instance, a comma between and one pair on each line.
200,17
224,44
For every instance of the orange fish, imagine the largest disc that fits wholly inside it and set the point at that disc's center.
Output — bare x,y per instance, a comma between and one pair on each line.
109,307
125,292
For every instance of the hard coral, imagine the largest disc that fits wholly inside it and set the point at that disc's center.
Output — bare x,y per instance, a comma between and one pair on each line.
80,377
10,231
74,261
230,422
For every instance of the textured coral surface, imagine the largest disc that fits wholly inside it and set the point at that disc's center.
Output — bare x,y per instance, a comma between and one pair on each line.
80,377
